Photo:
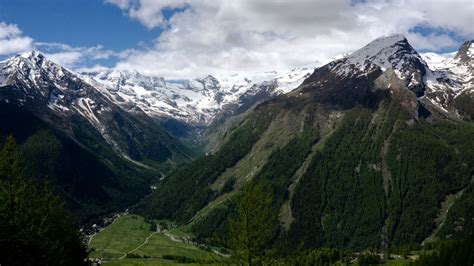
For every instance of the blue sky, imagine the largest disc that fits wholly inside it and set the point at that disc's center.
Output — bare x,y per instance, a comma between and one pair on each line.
79,23
76,22
192,37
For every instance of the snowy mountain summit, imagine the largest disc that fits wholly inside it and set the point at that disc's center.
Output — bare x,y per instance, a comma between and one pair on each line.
387,52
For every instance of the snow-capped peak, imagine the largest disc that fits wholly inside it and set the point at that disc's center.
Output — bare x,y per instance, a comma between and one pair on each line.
380,50
377,45
387,52
31,69
391,51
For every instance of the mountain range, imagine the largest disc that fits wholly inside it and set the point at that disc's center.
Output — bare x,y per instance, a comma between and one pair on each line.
194,101
373,148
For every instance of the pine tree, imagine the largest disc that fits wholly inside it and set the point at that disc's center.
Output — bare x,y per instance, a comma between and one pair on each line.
251,231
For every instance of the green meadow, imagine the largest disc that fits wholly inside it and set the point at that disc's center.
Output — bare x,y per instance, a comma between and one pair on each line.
130,241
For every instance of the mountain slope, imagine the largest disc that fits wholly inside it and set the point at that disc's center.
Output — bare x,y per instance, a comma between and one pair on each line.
355,157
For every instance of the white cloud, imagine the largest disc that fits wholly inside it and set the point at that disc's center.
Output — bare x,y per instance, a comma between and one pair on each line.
212,36
67,59
455,15
95,68
122,4
12,40
148,12
73,57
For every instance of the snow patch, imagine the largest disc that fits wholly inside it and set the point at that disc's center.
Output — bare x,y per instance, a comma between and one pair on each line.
86,106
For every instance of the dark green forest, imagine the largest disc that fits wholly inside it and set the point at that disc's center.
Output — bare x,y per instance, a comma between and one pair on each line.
448,252
381,183
35,229
275,176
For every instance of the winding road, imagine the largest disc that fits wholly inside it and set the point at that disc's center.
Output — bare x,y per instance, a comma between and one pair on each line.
141,245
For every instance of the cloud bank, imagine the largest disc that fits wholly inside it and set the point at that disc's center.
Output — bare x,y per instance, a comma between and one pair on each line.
201,37
211,36
75,57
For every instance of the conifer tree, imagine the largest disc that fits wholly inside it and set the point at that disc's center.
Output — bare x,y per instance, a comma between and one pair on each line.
251,231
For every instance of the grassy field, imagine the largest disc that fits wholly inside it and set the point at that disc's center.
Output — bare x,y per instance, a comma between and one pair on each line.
130,236
145,262
140,262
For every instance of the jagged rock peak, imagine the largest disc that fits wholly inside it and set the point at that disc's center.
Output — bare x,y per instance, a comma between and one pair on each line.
32,59
466,52
210,82
29,58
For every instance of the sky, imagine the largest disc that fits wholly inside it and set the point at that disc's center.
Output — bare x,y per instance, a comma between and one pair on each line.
193,38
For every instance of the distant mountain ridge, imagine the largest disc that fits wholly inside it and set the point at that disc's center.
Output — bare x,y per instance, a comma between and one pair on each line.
194,101
103,145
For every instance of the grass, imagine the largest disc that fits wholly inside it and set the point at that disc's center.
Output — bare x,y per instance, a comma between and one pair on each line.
160,245
127,235
397,262
145,262
178,232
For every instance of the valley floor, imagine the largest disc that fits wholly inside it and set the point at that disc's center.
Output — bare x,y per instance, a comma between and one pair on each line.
130,240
